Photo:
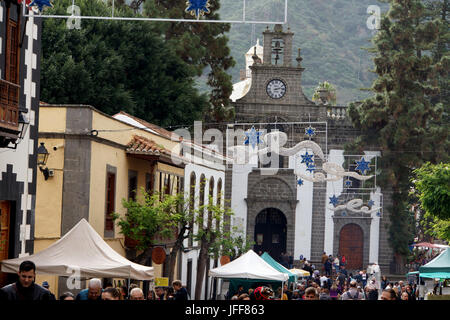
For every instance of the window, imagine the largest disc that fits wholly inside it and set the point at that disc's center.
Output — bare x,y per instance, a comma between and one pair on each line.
9,85
192,207
219,200
132,185
110,203
149,183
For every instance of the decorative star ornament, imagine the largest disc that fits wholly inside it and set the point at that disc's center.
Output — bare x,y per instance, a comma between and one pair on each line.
198,8
348,183
300,182
344,213
40,4
334,200
378,214
362,166
371,203
253,137
307,158
310,131
311,168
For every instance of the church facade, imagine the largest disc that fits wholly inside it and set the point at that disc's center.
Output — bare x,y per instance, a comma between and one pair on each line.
274,206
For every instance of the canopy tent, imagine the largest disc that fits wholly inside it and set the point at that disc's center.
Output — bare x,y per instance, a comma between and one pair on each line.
82,250
266,257
430,245
248,270
248,266
300,272
439,267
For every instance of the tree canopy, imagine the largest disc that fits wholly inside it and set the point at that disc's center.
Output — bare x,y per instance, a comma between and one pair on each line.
401,117
117,65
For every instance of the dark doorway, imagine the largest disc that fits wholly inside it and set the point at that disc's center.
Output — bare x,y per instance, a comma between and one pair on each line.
270,232
351,242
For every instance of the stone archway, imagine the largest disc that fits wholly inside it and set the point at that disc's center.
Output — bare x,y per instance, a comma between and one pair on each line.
271,232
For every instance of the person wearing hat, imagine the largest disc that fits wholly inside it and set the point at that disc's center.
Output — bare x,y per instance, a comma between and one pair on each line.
47,286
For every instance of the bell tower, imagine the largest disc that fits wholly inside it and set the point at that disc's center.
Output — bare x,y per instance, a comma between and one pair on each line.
276,79
278,47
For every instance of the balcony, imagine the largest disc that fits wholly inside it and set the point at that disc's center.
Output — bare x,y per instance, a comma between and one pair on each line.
9,108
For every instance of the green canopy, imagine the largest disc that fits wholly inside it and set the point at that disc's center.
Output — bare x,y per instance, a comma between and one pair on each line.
266,257
439,267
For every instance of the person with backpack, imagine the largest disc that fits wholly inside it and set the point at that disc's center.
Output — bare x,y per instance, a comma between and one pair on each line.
352,293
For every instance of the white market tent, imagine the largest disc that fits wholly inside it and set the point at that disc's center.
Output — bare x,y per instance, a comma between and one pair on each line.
248,266
82,249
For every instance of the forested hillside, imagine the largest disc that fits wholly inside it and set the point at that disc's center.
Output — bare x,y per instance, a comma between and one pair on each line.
330,33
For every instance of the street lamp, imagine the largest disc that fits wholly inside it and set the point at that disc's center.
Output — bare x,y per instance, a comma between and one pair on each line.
23,125
42,156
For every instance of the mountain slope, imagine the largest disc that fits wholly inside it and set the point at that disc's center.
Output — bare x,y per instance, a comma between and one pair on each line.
330,33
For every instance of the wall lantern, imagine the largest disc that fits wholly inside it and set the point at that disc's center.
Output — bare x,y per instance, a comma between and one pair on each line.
24,123
42,156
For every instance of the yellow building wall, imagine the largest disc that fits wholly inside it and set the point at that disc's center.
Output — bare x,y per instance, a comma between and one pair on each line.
52,119
49,193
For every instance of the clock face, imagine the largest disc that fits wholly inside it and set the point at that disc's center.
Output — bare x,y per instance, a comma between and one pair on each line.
276,89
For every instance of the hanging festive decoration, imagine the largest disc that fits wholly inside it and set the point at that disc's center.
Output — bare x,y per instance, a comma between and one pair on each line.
310,131
198,8
348,183
355,206
362,166
311,168
300,182
371,203
40,4
344,213
252,137
307,158
334,200
379,214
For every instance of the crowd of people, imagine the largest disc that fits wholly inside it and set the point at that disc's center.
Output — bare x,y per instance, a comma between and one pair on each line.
25,288
335,285
332,281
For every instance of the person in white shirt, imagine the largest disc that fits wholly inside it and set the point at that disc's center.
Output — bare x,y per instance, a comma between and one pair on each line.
323,281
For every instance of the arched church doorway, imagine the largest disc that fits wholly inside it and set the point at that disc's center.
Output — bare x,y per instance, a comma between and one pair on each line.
351,243
270,232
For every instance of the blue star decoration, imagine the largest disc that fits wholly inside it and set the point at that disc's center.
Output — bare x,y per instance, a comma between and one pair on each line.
310,131
311,168
348,183
307,158
371,203
362,166
344,213
197,7
334,200
253,137
40,4
378,214
300,182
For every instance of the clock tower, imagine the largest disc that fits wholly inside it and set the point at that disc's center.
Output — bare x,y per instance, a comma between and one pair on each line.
276,81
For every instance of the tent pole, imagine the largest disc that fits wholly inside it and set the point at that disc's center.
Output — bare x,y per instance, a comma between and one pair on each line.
282,287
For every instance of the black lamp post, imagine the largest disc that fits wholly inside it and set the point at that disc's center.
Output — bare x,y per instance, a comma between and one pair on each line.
42,156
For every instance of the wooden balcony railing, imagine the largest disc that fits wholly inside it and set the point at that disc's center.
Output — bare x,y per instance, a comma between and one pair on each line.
9,105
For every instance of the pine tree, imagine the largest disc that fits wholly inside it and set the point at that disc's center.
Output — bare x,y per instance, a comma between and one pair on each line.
203,45
401,119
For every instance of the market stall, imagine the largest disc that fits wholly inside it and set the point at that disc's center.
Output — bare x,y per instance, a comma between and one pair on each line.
82,252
